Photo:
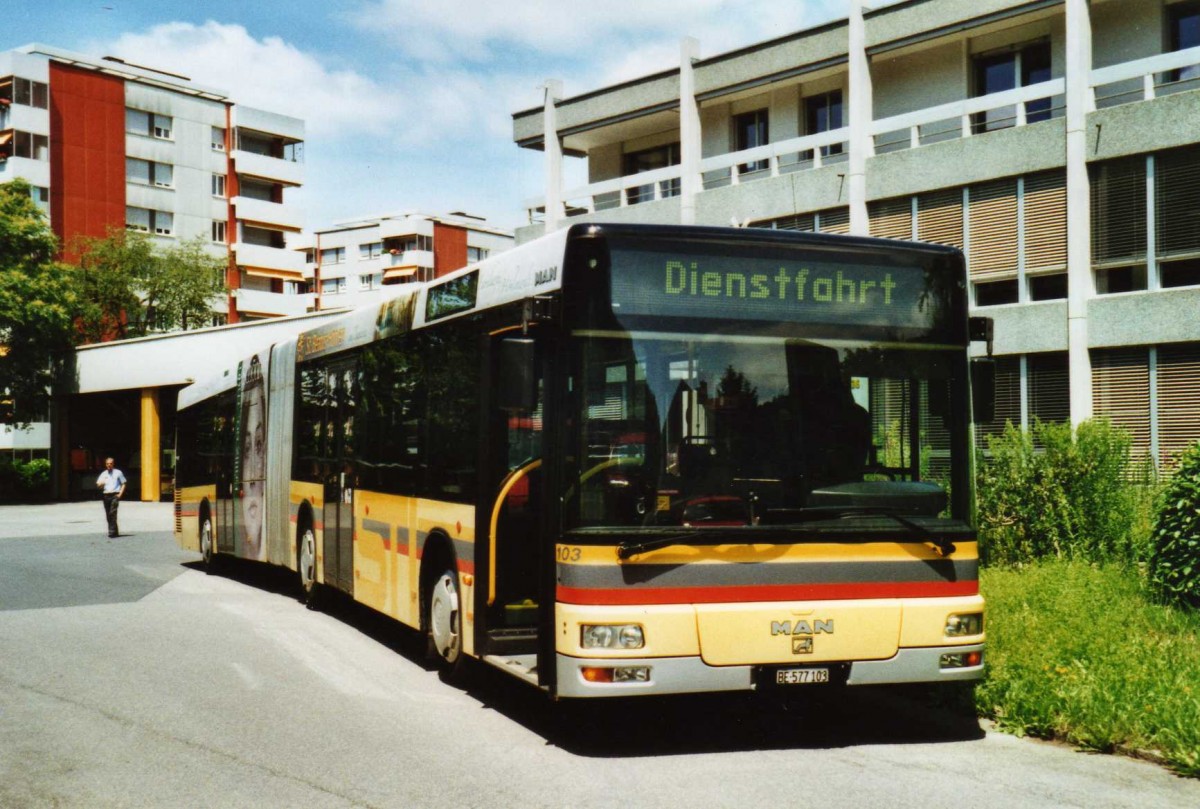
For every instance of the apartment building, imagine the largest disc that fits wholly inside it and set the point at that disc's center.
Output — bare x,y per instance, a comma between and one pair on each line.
354,262
1057,142
106,143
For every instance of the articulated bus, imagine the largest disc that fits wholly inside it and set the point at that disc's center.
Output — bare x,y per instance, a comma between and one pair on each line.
625,460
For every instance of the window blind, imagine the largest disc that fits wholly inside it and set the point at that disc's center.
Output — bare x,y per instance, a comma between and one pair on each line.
891,218
1178,399
940,217
1046,221
1118,210
1177,202
993,230
1121,392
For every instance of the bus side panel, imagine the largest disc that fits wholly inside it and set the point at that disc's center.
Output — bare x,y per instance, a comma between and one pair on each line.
300,493
190,497
281,546
457,521
385,568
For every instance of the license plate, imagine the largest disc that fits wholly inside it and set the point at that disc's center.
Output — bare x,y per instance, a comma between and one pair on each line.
801,676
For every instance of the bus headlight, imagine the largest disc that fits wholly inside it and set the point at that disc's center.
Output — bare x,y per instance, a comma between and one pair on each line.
612,636
970,623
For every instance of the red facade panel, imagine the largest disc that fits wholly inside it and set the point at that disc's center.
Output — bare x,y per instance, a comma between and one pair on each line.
87,153
449,248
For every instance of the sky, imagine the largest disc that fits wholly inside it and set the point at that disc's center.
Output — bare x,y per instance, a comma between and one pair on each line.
408,103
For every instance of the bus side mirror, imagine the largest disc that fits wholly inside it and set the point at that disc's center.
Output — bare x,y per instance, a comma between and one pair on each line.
516,382
983,389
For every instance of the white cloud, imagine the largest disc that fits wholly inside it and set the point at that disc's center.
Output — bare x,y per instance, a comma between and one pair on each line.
267,73
476,30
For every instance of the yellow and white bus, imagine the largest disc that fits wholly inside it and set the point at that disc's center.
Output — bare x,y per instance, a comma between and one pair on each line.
625,460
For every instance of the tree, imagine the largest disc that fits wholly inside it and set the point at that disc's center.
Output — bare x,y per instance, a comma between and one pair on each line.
38,306
133,287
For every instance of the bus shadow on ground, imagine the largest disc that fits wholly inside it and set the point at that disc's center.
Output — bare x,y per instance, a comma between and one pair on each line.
823,718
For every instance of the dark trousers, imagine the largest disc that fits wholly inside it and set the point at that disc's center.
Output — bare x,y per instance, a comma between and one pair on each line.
111,502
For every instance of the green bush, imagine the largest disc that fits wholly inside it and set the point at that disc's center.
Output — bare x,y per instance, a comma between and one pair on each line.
1055,492
24,481
1175,543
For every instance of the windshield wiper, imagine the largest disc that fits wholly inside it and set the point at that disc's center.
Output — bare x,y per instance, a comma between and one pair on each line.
943,545
630,548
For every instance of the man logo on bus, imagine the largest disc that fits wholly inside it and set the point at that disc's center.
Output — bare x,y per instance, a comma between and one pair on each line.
818,627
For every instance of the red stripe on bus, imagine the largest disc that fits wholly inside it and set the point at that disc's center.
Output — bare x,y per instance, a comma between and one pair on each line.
466,567
766,592
402,548
188,513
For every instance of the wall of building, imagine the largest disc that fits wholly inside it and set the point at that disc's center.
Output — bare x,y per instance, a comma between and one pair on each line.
87,154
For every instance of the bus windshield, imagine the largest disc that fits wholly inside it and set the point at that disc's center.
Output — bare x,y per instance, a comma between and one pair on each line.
724,430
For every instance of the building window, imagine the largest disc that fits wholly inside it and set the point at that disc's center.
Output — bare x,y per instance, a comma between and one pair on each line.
333,255
823,113
406,243
1184,273
161,223
14,143
1185,33
333,286
139,122
1119,234
1014,67
476,254
25,91
41,198
218,231
218,139
750,132
370,281
370,251
218,185
996,293
1048,287
639,162
147,172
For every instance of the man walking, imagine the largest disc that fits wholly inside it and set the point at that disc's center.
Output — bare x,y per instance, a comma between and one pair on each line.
112,484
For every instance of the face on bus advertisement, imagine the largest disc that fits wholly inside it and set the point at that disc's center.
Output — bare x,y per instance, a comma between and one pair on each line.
253,457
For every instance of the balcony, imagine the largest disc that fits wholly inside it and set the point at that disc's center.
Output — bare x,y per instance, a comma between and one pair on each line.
276,169
37,172
25,118
274,215
274,304
1139,80
271,262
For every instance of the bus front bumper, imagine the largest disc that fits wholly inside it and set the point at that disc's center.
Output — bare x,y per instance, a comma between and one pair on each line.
691,675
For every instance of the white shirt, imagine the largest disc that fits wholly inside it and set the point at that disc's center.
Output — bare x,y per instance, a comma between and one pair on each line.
112,481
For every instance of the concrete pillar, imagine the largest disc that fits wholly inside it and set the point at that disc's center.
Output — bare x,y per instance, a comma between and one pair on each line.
151,446
690,141
554,155
60,448
1080,282
859,105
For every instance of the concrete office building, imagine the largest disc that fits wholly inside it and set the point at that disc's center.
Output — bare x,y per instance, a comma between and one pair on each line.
353,261
1057,142
110,144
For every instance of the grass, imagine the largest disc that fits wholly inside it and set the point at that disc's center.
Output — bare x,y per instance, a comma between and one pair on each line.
1077,652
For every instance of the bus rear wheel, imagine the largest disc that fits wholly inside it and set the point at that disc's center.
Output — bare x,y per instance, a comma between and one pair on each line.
445,624
306,565
207,551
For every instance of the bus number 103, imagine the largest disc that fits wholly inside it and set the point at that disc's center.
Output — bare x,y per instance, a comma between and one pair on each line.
566,553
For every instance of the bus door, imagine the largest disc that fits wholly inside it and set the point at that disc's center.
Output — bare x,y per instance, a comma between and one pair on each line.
223,516
515,483
339,475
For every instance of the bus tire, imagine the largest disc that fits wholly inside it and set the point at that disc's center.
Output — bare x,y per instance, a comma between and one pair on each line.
444,602
208,550
306,566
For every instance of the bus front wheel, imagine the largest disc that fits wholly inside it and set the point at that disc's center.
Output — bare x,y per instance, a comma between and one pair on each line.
445,624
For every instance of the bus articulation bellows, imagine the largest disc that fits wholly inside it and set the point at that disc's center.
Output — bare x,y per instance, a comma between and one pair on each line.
625,460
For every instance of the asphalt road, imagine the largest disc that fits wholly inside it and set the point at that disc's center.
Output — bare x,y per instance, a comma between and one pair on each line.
129,677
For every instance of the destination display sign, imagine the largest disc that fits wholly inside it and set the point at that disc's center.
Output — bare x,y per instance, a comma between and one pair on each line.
857,291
